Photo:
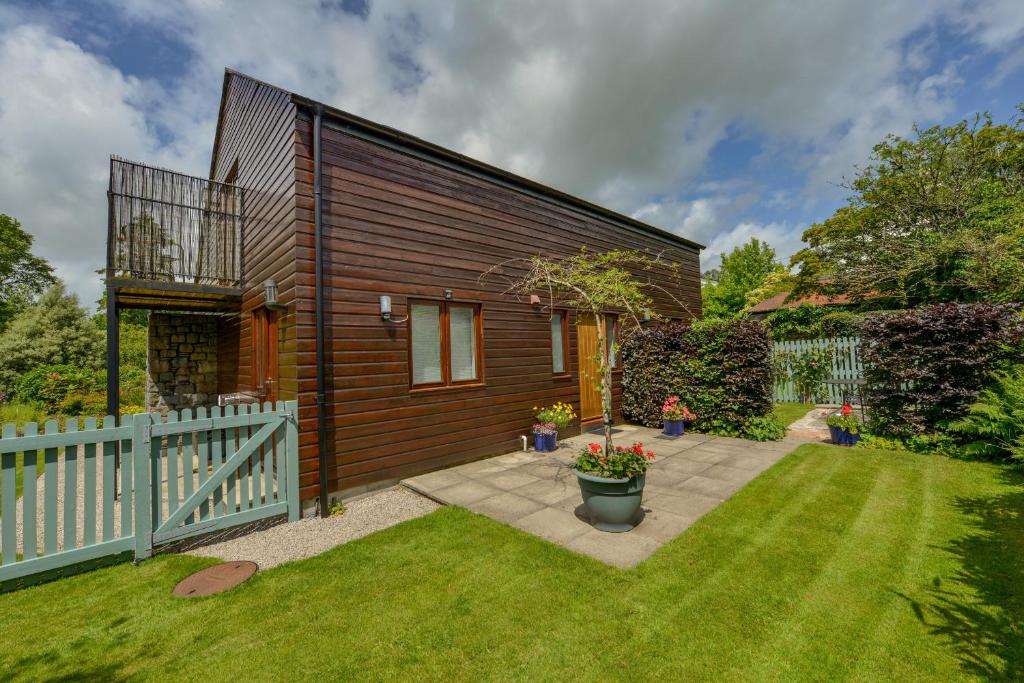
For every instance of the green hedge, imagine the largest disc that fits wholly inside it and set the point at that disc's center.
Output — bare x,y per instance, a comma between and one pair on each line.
722,371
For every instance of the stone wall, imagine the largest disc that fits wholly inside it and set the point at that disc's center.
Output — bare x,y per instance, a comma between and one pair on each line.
181,361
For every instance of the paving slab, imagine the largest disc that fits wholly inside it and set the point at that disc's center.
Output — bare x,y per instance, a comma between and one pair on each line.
506,507
538,493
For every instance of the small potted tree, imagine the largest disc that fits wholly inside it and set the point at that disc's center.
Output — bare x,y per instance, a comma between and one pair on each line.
612,484
674,416
598,284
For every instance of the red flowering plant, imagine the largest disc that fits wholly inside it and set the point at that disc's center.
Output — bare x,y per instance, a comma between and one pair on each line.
621,463
673,409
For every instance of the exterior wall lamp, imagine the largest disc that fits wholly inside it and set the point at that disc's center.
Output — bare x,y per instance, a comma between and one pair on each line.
270,296
385,310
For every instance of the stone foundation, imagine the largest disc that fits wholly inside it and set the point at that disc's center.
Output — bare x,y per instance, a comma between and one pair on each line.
181,361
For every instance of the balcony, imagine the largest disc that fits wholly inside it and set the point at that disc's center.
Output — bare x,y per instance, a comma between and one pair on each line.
174,241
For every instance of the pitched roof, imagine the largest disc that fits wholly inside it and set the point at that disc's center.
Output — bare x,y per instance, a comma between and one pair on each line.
779,301
352,123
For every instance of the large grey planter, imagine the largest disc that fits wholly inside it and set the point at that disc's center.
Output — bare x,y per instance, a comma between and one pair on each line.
612,504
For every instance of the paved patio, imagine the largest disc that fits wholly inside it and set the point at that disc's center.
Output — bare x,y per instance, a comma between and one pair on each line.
537,492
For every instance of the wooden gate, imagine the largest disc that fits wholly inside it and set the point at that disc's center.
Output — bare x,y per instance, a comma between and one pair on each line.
217,470
179,476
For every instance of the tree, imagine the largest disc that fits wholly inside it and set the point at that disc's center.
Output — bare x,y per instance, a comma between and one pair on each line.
23,275
596,284
53,331
743,270
939,217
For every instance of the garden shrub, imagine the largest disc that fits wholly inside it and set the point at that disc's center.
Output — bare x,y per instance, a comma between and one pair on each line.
721,370
764,428
808,321
924,367
799,322
994,425
840,324
647,374
63,389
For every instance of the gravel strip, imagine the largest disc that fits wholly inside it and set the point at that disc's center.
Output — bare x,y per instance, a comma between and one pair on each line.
309,537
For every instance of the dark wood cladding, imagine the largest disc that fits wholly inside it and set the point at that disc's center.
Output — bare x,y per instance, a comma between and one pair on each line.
256,146
410,228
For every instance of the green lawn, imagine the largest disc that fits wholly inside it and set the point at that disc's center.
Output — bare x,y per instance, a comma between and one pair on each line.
789,412
835,564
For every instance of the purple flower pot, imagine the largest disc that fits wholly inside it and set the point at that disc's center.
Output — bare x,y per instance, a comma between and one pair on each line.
836,433
551,441
850,439
674,427
545,443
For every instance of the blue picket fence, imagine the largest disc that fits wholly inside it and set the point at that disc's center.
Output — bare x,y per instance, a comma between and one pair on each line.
97,489
846,365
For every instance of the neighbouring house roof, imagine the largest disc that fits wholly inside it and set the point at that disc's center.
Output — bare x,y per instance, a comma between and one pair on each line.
352,123
779,301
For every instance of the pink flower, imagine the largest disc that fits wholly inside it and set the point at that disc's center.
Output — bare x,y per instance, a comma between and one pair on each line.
594,449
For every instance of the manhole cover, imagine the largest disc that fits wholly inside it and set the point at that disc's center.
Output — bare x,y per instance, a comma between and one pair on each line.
215,579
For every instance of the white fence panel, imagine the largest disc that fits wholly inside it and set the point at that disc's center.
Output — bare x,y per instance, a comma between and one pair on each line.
846,365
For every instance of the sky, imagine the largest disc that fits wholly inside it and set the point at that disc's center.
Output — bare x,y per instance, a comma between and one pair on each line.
719,121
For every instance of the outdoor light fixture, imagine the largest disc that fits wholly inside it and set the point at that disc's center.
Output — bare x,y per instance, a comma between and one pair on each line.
448,294
270,294
535,300
385,310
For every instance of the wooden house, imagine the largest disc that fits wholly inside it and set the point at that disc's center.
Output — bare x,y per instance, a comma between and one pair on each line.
336,261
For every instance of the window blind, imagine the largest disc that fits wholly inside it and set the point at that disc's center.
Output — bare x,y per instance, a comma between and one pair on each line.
462,333
557,344
426,343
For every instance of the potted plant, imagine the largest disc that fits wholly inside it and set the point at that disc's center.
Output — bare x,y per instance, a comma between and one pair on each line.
612,484
674,415
545,437
548,421
844,429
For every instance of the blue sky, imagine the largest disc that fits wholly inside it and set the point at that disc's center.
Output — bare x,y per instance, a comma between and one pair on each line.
720,121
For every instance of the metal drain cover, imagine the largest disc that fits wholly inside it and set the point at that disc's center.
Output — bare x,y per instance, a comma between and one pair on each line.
215,579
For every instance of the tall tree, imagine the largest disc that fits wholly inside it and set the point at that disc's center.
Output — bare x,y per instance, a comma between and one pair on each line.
743,270
939,217
55,330
23,275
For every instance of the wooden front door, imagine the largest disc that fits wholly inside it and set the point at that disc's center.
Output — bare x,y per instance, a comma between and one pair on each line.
590,368
264,354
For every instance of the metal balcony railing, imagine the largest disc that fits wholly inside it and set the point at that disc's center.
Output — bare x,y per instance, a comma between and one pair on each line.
172,227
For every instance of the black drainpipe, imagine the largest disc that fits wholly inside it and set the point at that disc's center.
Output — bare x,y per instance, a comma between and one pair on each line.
321,380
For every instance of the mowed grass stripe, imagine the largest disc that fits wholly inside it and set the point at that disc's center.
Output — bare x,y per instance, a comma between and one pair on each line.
760,565
871,553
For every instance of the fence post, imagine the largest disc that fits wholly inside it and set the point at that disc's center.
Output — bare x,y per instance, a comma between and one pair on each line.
292,459
141,425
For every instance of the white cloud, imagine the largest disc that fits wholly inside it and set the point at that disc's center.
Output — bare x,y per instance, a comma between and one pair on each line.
622,108
783,237
998,26
62,114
